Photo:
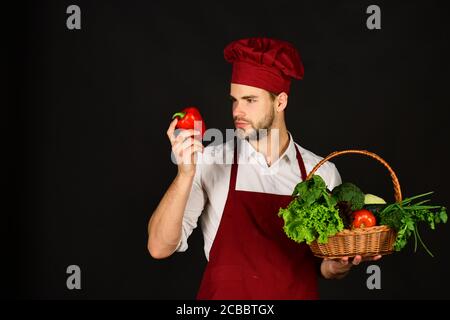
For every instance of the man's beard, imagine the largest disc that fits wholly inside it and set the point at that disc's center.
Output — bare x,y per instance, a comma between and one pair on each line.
259,131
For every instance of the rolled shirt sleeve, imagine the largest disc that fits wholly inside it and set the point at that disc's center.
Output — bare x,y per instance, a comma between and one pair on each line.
330,175
194,208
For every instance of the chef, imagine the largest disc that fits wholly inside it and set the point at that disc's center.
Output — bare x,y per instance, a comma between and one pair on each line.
237,202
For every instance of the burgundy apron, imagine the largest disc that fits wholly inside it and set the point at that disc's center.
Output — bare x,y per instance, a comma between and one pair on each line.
251,256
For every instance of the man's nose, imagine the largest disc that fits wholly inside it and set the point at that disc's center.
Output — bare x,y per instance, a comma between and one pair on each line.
238,112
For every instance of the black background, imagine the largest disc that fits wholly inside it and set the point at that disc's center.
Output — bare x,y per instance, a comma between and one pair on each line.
90,109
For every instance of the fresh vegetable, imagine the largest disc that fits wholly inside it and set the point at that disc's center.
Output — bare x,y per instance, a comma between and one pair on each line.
375,208
373,199
312,214
345,213
363,219
190,118
316,214
351,193
405,216
312,190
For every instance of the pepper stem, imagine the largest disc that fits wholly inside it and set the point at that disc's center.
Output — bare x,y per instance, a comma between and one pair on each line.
179,114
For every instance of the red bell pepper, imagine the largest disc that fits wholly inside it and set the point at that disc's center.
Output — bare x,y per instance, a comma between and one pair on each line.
188,117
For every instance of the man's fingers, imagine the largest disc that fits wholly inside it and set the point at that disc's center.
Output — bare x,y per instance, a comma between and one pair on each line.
372,258
181,146
181,138
171,130
377,258
341,266
183,151
357,260
344,266
188,152
184,134
191,142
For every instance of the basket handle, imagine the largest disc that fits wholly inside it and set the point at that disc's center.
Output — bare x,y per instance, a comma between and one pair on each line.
396,184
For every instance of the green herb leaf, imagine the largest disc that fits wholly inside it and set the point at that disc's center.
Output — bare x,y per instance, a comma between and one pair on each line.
405,216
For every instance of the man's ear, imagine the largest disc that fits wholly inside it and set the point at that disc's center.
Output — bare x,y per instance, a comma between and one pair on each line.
282,100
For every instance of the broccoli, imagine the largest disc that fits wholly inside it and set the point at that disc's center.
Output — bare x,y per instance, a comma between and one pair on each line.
350,193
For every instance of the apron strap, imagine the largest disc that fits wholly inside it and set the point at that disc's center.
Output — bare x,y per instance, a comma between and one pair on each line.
234,165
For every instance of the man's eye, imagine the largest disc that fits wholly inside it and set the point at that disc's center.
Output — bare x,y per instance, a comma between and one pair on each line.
251,100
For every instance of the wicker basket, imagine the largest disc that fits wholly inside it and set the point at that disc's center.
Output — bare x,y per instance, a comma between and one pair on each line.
367,242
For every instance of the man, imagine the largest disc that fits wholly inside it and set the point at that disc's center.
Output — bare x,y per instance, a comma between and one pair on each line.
249,256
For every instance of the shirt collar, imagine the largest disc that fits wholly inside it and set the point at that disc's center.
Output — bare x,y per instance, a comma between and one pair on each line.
291,151
248,151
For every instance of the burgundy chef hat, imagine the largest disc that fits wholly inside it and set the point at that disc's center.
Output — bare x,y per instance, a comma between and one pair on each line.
264,63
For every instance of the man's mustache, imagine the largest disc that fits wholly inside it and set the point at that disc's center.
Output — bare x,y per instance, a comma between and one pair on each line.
241,120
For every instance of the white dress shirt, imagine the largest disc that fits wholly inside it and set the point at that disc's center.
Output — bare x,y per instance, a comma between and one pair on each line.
212,178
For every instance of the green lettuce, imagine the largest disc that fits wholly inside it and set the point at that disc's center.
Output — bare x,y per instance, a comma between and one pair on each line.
312,214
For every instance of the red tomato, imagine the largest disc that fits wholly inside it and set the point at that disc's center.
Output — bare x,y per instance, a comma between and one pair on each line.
363,219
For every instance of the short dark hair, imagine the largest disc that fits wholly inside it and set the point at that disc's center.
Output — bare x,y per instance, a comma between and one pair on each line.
273,96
